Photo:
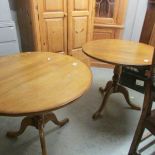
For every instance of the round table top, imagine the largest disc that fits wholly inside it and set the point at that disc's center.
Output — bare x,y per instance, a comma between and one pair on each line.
120,52
37,82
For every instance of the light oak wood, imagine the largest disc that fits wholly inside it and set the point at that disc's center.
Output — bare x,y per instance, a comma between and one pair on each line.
83,5
77,53
36,83
120,52
105,33
80,23
54,5
53,25
59,26
28,20
110,26
33,83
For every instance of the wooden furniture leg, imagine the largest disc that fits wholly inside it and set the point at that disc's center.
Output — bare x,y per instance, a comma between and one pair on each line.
124,91
42,135
52,117
27,121
114,87
147,105
38,122
98,113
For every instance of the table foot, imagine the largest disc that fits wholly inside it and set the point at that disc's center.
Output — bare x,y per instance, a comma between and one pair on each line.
27,121
124,91
107,94
38,122
96,115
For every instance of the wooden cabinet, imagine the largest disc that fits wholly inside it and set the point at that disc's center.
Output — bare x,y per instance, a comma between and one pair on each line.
65,25
109,18
53,25
58,25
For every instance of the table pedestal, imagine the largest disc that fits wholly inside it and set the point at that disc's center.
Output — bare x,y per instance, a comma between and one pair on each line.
114,87
38,122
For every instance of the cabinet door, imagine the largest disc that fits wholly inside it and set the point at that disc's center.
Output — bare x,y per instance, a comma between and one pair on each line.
109,16
53,25
110,11
80,23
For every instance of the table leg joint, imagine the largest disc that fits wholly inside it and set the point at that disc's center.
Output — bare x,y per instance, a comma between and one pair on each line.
114,87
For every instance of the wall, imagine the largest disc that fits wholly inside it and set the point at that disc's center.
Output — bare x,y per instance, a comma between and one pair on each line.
134,20
4,11
14,18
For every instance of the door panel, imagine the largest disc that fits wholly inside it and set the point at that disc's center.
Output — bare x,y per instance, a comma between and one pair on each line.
104,34
55,32
54,5
110,14
53,25
81,5
107,10
79,31
80,23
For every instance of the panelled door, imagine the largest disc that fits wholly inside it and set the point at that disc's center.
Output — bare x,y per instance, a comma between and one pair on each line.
53,25
80,24
109,18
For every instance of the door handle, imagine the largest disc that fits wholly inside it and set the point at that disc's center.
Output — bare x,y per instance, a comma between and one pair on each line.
65,14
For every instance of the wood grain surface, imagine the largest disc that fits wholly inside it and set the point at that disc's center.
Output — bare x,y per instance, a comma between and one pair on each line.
40,82
120,52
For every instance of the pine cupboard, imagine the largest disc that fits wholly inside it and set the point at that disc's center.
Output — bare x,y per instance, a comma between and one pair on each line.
56,25
63,26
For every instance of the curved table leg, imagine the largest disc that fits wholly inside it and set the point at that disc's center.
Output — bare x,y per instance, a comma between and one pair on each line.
27,121
114,87
108,85
52,117
38,122
107,94
124,91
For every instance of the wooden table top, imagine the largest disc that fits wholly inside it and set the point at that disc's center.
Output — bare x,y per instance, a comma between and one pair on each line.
120,52
37,82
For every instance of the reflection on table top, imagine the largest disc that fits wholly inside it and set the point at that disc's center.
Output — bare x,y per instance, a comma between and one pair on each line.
120,52
40,81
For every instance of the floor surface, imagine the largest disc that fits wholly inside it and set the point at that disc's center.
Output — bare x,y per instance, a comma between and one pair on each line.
110,135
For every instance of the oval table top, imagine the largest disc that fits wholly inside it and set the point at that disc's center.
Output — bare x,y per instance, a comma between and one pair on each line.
37,82
120,52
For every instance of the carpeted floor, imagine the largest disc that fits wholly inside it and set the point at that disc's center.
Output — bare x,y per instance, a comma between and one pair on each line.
110,135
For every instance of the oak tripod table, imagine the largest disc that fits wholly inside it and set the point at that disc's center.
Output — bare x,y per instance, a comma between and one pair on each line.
119,53
35,83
